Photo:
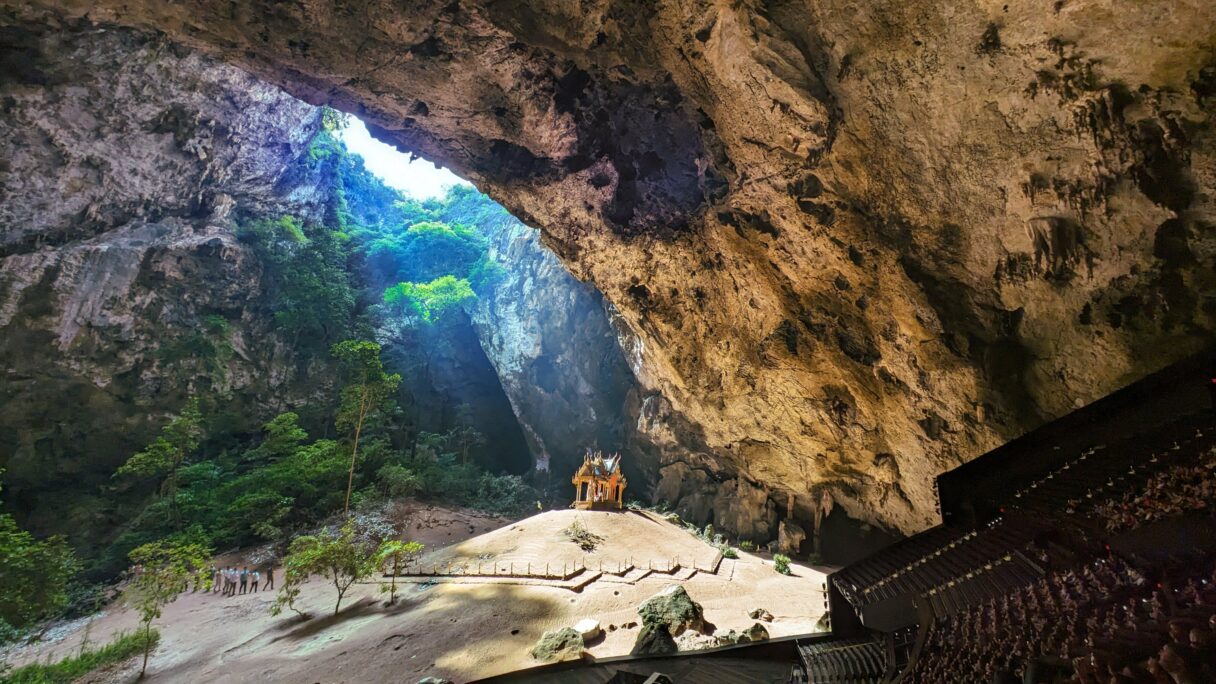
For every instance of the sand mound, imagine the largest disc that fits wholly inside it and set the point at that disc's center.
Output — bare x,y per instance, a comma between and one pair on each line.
640,538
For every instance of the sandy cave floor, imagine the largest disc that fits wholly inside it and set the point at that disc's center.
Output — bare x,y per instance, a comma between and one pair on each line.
464,629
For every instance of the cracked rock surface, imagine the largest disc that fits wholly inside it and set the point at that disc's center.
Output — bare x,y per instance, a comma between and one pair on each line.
847,246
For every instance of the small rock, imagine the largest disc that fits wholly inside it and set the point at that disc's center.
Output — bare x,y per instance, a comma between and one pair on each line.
654,640
760,614
611,628
557,645
434,680
589,628
756,632
695,641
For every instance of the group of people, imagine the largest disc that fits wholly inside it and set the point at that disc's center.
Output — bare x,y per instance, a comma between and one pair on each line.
1102,623
1176,490
232,581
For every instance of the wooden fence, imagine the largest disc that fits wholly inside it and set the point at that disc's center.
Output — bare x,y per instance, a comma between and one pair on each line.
549,570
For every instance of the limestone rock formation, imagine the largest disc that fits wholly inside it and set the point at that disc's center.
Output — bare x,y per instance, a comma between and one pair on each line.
654,640
847,246
557,645
126,163
790,536
674,610
555,354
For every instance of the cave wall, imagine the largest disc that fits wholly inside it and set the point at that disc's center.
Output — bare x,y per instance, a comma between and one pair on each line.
127,161
555,353
846,246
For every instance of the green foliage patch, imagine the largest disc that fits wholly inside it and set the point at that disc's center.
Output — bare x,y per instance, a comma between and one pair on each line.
122,648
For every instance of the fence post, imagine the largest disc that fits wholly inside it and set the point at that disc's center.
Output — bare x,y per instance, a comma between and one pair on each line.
546,568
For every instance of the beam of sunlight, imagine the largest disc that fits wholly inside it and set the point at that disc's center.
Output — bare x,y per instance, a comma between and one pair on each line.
419,179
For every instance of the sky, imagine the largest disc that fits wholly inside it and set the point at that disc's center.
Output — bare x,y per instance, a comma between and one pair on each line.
419,179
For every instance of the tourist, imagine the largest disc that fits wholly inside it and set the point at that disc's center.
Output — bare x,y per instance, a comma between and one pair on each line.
244,579
257,577
269,581
1176,665
217,579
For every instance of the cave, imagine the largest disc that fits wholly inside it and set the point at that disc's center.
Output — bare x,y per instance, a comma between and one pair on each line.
774,254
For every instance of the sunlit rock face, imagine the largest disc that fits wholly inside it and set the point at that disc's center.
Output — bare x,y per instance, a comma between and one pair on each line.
848,245
127,162
555,354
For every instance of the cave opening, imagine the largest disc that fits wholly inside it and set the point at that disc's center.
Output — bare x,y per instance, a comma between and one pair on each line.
431,264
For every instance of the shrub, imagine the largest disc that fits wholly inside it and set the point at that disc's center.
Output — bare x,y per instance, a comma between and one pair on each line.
34,576
579,534
395,554
747,545
781,563
728,552
123,647
397,481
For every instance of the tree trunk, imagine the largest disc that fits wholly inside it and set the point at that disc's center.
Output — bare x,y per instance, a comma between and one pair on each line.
147,648
350,478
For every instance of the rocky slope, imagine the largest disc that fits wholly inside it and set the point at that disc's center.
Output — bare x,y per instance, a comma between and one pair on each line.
848,246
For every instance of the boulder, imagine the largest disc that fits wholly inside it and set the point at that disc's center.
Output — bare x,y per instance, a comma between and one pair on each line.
654,640
589,628
673,609
557,645
760,614
434,680
790,536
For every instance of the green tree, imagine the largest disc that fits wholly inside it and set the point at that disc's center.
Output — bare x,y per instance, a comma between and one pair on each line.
284,436
394,553
429,302
367,395
161,571
336,555
465,439
165,455
309,277
34,576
